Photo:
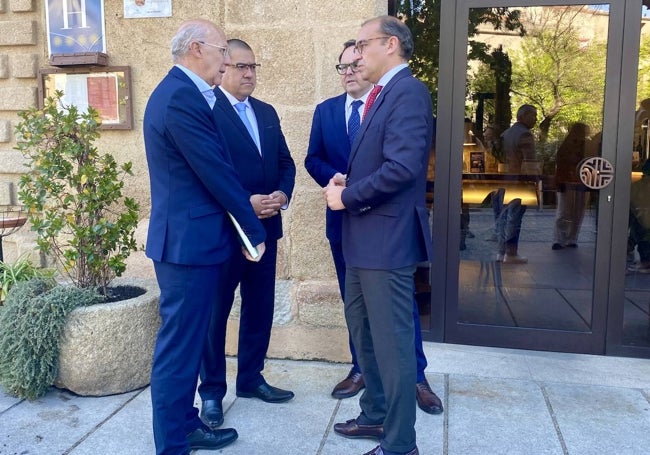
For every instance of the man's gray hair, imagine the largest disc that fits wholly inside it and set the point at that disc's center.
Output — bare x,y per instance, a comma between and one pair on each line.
186,35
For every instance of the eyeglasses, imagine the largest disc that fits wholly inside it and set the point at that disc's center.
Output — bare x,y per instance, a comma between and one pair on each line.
223,49
245,66
342,68
361,45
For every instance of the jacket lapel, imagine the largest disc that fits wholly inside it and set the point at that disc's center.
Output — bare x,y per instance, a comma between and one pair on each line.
223,104
406,72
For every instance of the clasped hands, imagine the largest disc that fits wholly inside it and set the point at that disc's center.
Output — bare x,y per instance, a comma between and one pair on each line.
332,192
265,206
268,205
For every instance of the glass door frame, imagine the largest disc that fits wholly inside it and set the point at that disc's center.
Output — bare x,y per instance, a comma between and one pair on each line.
618,120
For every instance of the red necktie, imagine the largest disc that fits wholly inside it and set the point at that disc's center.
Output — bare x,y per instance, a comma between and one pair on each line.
372,96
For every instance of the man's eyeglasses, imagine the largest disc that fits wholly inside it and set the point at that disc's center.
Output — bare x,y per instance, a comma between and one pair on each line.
361,45
223,49
342,68
245,66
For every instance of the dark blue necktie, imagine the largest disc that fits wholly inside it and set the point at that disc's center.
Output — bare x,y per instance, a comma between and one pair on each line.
354,123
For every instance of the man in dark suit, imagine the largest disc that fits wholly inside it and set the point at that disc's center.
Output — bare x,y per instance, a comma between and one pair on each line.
193,186
261,158
332,132
385,232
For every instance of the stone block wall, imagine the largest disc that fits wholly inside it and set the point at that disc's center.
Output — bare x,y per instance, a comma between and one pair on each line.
297,44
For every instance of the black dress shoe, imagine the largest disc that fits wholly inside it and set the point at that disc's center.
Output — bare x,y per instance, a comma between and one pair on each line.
267,393
378,451
212,413
207,439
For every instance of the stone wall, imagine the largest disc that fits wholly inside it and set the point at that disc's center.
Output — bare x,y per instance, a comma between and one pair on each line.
297,44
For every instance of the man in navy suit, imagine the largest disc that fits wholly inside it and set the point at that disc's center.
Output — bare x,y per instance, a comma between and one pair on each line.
328,153
261,157
385,232
190,239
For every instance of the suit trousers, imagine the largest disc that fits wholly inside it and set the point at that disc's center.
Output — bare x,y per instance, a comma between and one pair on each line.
256,282
379,314
187,295
421,359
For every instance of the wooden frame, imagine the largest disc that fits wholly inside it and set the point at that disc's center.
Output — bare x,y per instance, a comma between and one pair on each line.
106,89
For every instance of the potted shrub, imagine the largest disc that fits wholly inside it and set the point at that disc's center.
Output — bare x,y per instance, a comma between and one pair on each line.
74,202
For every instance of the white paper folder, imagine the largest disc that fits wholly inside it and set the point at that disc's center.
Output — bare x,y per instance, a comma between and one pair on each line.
243,238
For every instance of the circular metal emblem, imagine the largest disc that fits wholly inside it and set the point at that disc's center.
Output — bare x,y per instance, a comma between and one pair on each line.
596,172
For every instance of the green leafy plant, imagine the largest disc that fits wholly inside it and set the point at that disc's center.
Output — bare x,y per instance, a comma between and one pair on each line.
21,270
73,194
31,323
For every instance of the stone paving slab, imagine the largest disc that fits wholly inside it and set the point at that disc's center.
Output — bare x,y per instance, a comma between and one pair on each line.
54,423
601,420
489,416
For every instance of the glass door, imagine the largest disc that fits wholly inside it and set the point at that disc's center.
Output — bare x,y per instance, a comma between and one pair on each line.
532,101
629,322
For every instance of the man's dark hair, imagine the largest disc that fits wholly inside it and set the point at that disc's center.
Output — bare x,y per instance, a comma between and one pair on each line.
391,26
348,43
235,43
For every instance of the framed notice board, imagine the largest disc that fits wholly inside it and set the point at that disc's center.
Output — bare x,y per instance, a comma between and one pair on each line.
106,89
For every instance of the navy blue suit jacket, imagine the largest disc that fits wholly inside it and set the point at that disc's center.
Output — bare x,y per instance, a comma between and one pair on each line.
193,182
328,153
385,224
274,170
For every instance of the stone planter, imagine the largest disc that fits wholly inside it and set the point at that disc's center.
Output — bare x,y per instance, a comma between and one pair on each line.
108,348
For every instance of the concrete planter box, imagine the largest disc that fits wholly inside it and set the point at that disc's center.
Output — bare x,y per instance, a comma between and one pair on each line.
108,348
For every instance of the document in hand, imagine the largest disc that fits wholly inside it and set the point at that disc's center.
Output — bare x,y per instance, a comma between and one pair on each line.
243,238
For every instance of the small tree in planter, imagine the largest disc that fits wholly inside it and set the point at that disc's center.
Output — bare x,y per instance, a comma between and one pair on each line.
74,201
73,195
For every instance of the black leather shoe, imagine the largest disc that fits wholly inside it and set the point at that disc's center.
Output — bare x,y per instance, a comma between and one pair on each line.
207,439
212,413
267,393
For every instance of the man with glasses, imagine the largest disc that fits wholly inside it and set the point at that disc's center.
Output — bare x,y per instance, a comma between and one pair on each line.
260,155
190,240
385,232
332,132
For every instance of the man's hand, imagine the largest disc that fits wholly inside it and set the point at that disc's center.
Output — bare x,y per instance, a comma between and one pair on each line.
261,248
332,192
268,205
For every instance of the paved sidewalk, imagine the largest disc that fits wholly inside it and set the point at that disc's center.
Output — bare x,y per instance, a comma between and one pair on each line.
497,401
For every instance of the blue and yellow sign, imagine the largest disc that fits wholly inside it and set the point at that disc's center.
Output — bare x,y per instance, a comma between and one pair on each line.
75,26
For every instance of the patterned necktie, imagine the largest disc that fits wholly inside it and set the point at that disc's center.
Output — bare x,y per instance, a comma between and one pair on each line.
354,123
241,110
372,96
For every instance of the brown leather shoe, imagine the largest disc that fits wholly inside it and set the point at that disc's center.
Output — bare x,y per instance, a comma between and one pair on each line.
349,387
427,400
377,451
351,429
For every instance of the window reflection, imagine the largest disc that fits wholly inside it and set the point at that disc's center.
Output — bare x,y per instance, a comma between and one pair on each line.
534,114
